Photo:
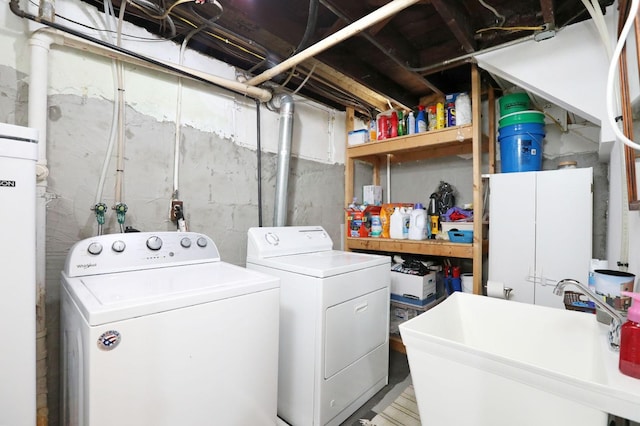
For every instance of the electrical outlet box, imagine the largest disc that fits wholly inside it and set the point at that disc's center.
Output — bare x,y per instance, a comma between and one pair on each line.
175,205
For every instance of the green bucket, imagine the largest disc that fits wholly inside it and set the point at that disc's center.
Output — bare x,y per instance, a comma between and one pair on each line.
523,117
514,102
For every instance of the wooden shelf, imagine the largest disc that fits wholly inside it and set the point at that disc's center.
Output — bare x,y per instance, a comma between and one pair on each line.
419,146
464,139
424,247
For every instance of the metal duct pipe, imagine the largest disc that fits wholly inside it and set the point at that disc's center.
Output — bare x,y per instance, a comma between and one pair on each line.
284,155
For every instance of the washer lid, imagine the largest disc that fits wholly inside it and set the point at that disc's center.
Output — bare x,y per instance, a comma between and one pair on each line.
322,264
117,296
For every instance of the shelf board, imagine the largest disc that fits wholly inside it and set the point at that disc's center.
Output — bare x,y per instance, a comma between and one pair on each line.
443,142
425,247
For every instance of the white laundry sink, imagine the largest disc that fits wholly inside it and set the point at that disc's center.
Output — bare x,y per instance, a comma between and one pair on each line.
476,360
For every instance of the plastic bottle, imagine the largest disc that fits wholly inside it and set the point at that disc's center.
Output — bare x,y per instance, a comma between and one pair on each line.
401,130
406,221
396,225
463,109
411,124
432,117
629,363
439,115
421,120
394,125
418,226
373,131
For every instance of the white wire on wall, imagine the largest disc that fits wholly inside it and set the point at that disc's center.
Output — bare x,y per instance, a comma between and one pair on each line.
109,16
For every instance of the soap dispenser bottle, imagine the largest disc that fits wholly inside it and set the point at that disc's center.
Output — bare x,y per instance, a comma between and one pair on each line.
630,339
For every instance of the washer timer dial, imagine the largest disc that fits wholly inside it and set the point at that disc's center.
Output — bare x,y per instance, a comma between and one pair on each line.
154,243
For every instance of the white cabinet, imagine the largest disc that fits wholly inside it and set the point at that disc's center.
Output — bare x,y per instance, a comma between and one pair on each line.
540,232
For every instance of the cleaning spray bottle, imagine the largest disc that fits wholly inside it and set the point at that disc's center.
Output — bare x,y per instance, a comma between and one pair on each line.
629,363
421,120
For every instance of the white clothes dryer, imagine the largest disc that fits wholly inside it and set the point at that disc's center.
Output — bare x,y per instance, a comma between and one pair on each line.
334,322
157,331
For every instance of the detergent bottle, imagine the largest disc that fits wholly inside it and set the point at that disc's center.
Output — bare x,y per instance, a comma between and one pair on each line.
418,226
629,362
396,225
406,221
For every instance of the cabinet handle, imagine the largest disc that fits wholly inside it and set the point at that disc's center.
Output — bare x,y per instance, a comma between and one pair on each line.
361,308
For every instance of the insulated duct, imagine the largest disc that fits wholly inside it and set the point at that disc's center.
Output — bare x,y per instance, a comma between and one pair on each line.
284,155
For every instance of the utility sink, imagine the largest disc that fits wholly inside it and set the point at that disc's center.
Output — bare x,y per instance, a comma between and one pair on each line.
476,360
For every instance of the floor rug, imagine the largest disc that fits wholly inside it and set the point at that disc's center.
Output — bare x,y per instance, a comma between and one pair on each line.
402,412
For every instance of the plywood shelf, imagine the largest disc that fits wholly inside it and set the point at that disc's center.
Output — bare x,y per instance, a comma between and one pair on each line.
425,247
464,139
419,146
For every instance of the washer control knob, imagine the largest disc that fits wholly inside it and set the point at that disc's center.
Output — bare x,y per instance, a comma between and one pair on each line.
202,242
95,248
154,243
272,239
118,246
185,242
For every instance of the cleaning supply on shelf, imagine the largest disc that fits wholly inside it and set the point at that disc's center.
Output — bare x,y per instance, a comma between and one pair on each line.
629,363
406,221
418,225
393,131
463,109
411,124
440,116
432,117
421,120
396,225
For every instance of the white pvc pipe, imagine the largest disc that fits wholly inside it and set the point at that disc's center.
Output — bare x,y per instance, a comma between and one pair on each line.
78,43
350,30
39,45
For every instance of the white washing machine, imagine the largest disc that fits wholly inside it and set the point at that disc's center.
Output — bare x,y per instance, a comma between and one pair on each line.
157,331
334,322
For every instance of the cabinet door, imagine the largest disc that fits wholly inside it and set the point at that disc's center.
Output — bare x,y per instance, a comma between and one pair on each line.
512,233
564,206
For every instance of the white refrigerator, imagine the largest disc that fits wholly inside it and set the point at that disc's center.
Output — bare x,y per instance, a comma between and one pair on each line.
18,154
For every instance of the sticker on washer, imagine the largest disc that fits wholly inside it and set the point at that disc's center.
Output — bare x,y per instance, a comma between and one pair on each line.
109,340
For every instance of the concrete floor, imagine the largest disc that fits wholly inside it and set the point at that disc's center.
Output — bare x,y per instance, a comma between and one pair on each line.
398,371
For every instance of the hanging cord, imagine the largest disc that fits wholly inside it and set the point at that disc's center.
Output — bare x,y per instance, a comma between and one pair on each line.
176,153
311,26
501,18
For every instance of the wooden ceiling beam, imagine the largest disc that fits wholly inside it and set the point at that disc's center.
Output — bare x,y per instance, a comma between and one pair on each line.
457,21
548,13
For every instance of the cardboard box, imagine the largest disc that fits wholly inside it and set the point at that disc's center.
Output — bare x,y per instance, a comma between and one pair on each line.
372,195
414,289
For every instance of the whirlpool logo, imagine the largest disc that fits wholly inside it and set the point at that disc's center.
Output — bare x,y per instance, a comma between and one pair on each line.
7,183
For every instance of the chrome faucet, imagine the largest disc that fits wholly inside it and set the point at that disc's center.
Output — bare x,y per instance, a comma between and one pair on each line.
616,318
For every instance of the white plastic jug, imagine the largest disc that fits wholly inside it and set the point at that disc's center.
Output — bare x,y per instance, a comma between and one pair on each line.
418,225
396,225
